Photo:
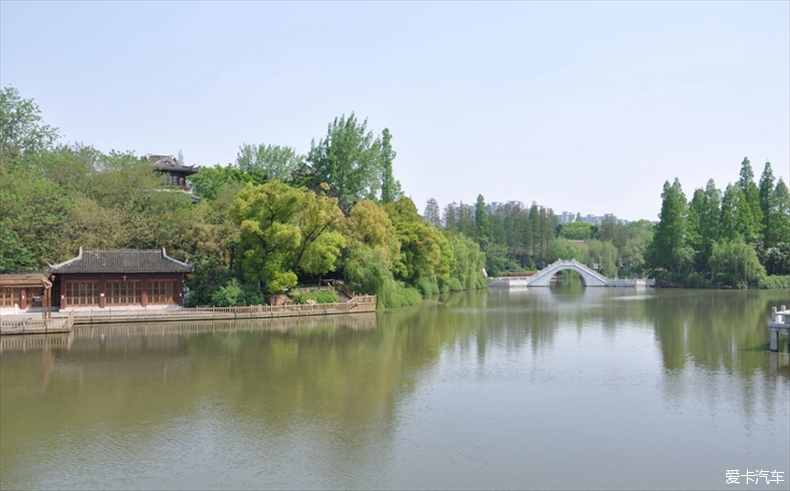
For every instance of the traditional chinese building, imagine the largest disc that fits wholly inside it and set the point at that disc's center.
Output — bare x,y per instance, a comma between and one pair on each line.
116,278
173,171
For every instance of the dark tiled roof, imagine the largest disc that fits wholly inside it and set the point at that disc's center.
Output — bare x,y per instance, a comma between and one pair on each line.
169,163
122,261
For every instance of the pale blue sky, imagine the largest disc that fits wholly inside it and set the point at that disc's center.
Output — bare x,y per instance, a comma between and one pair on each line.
584,107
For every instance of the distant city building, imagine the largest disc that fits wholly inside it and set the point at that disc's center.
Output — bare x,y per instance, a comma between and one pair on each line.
597,220
496,206
566,217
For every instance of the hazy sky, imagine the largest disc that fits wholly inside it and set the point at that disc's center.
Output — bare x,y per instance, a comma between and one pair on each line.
584,107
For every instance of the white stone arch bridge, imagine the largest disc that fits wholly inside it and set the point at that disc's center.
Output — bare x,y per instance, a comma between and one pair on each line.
589,277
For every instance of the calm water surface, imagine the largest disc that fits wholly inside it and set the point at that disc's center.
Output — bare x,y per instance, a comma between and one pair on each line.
563,388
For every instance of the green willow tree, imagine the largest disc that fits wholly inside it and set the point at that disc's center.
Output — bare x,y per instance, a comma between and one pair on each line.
285,230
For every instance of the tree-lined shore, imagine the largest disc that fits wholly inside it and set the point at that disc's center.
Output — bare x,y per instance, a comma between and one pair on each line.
736,239
271,220
275,219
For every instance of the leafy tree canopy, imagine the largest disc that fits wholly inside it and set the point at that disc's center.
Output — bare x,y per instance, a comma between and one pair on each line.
576,230
266,162
285,230
21,129
349,160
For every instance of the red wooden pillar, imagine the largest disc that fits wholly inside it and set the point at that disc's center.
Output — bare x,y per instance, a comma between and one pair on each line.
62,293
102,292
144,291
23,298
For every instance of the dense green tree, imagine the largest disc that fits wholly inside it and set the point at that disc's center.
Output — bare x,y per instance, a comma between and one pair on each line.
780,221
693,218
735,262
766,193
349,161
547,231
432,213
497,234
606,230
467,263
603,256
369,226
709,227
265,162
21,129
390,188
450,217
669,249
285,230
421,245
210,180
32,208
576,230
749,212
70,166
497,260
728,223
465,222
562,248
481,221
534,223
746,226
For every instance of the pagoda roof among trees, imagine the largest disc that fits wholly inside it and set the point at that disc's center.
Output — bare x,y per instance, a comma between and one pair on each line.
122,261
168,163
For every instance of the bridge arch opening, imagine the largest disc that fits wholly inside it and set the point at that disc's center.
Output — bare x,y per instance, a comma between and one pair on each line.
570,275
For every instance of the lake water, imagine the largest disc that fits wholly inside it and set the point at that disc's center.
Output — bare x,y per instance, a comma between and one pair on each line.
562,388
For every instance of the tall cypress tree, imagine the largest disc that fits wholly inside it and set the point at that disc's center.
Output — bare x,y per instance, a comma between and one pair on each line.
766,200
780,223
669,249
481,221
728,229
751,220
390,188
709,227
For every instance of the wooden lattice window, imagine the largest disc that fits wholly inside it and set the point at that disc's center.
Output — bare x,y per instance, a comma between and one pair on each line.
79,293
123,292
162,292
9,297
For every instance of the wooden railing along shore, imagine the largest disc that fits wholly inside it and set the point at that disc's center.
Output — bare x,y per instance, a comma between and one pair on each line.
24,325
360,303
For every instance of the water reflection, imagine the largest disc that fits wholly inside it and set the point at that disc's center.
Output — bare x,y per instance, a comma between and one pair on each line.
332,402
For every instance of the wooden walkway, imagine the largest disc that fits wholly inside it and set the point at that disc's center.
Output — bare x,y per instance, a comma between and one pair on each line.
28,325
